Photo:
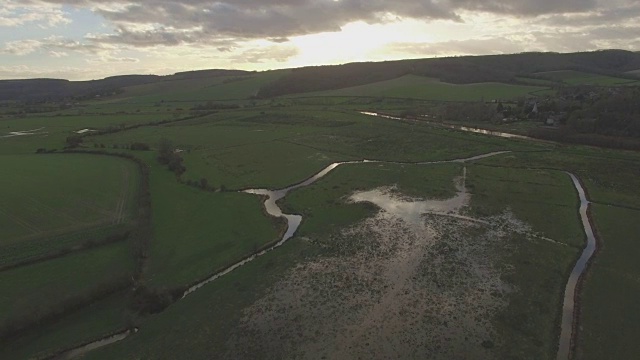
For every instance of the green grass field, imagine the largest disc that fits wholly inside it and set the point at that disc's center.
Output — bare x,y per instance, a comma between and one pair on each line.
196,233
418,87
492,189
75,276
611,289
610,177
53,202
53,130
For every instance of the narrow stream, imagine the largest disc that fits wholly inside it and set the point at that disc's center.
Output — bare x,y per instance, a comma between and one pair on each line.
567,328
82,350
456,127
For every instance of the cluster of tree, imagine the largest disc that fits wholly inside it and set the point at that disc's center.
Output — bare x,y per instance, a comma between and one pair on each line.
210,105
565,134
146,301
612,112
138,146
203,184
74,141
169,155
474,111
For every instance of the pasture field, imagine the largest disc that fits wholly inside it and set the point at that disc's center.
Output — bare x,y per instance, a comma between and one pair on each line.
611,290
196,233
571,77
67,199
491,189
62,281
50,132
242,149
418,87
610,177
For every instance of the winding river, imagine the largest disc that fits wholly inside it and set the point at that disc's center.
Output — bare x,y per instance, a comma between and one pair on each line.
455,127
569,314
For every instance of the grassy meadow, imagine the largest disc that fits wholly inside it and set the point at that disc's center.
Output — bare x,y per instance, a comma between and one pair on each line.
54,202
61,283
611,289
519,235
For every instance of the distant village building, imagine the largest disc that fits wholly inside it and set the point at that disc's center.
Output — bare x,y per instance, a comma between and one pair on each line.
554,119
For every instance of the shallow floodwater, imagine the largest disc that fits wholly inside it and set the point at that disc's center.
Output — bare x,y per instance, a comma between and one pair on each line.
410,210
568,307
24,133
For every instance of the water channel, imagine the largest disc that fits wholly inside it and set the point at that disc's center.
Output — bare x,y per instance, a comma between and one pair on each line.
569,320
455,127
293,222
82,350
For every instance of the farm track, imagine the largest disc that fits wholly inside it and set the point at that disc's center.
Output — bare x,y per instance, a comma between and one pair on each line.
120,212
21,222
51,211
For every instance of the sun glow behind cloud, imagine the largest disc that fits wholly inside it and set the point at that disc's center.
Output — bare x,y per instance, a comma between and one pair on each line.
356,41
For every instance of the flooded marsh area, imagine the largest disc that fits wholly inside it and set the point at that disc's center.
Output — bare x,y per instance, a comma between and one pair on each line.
417,279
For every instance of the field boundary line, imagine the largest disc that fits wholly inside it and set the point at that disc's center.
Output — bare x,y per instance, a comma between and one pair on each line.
87,245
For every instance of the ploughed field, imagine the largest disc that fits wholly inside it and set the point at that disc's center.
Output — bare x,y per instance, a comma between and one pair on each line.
414,256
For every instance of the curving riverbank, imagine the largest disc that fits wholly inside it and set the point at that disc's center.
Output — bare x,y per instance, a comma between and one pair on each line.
569,307
294,220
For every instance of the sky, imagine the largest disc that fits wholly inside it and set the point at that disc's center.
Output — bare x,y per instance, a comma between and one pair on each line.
91,39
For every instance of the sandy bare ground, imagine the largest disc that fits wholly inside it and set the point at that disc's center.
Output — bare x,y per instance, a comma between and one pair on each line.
417,280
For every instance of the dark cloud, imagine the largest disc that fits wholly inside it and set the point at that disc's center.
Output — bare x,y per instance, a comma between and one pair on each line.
602,16
526,7
225,23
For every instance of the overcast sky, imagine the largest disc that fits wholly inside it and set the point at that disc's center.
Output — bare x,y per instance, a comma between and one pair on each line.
88,39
